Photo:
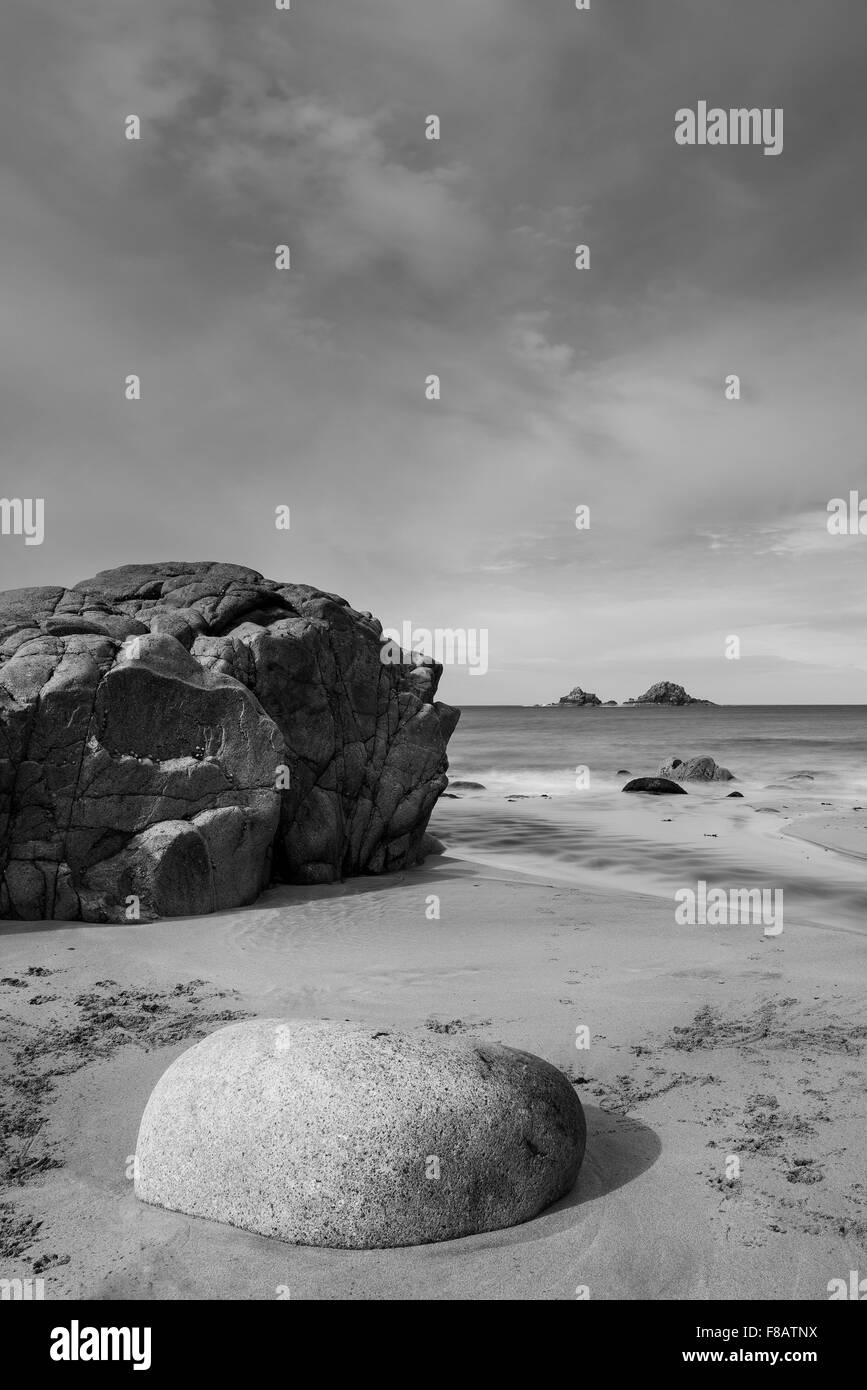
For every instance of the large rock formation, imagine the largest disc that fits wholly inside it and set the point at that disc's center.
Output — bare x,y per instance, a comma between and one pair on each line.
579,697
326,1133
174,736
667,693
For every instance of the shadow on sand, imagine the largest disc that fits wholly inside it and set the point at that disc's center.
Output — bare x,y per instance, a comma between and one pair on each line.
279,895
619,1149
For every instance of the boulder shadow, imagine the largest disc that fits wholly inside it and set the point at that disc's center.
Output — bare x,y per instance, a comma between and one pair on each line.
619,1149
275,896
435,869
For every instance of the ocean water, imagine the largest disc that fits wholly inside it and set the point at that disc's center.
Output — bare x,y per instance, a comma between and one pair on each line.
788,761
512,749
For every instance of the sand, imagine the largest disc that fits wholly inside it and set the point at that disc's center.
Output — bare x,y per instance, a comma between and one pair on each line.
705,1045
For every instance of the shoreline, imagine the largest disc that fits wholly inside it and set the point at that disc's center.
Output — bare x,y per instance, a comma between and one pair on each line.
655,846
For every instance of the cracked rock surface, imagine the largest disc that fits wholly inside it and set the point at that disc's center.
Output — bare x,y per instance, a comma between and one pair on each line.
175,736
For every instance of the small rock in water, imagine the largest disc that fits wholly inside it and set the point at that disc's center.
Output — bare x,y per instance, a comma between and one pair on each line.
731,794
655,786
469,786
623,772
701,769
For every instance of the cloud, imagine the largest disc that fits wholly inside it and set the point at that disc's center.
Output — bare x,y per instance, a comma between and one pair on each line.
532,348
409,257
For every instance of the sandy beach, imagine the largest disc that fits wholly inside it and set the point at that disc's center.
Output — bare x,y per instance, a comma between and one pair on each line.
704,1045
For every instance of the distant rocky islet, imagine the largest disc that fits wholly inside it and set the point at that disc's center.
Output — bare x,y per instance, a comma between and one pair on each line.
664,693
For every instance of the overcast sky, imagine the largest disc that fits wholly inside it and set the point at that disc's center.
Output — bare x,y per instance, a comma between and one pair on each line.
560,387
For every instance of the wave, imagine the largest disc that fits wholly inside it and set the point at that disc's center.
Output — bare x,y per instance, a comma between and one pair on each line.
531,781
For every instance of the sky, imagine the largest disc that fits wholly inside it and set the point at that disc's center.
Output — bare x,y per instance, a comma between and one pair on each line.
305,387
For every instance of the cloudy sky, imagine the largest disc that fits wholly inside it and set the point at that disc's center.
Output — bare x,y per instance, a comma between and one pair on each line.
306,387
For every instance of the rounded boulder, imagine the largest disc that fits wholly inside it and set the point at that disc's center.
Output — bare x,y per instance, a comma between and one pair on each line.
655,786
334,1134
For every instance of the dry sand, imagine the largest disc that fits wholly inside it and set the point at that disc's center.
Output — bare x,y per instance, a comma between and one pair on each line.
705,1044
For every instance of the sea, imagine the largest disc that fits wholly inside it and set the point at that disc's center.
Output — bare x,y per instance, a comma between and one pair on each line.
551,801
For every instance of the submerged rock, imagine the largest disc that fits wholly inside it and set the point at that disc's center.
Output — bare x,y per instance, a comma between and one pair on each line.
175,736
468,786
701,769
325,1133
655,786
